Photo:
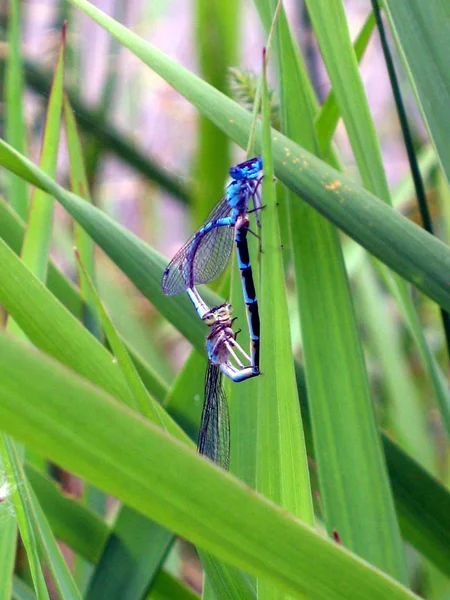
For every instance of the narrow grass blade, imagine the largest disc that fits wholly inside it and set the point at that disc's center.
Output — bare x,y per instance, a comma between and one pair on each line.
329,114
15,132
50,327
83,242
282,467
11,464
12,231
421,32
36,244
142,401
63,417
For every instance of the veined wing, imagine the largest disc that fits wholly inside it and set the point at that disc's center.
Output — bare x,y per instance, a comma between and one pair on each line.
214,435
203,257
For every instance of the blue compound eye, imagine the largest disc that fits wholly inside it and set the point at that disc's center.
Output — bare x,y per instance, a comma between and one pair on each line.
248,169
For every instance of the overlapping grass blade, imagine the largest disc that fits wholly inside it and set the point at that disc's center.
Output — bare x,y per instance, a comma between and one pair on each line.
154,474
282,467
12,232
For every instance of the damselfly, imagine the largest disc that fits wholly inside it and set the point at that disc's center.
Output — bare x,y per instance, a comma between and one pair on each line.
206,254
222,347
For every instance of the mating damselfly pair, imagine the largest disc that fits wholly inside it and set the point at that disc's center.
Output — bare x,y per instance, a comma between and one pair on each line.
201,260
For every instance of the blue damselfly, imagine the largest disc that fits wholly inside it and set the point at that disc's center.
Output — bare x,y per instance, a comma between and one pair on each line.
206,254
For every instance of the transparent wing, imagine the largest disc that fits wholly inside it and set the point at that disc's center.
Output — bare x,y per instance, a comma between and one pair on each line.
214,435
203,257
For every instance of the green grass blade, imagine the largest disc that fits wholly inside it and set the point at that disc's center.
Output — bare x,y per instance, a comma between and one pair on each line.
36,244
405,413
63,417
14,118
142,265
142,401
166,587
72,523
331,28
51,552
11,464
423,506
8,535
79,185
12,231
282,467
421,31
330,25
54,330
329,115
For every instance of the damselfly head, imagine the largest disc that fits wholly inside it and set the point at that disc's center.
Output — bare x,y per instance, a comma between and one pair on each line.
247,170
218,314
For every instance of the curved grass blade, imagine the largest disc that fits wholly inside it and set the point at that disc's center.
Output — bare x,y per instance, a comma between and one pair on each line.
63,417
